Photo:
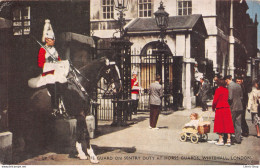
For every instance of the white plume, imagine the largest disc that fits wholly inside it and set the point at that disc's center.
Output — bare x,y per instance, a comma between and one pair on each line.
47,28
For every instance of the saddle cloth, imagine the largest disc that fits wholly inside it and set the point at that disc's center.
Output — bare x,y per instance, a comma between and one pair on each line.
61,70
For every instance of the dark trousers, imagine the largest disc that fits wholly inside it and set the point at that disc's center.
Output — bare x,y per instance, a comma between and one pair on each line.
154,114
135,106
244,125
56,91
236,117
204,105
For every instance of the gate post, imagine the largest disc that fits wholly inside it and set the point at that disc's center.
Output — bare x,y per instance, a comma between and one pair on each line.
162,58
122,48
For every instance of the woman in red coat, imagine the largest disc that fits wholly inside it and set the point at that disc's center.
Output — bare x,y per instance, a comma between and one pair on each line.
223,123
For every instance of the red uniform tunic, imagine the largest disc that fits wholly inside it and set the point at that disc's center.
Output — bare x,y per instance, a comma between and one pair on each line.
223,120
43,58
134,82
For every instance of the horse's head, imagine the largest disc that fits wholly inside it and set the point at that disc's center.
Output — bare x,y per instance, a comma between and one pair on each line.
112,79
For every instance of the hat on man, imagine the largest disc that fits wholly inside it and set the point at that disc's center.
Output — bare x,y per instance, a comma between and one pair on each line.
47,31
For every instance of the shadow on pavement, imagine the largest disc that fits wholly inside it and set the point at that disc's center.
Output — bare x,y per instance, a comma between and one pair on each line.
106,128
102,149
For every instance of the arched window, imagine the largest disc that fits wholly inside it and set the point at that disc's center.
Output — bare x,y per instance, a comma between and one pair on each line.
184,7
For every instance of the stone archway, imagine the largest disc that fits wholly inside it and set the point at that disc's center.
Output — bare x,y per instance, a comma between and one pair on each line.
152,61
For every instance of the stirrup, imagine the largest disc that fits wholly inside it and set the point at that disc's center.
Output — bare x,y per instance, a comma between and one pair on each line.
55,112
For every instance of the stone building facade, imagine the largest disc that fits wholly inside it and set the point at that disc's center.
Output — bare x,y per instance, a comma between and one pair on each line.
225,50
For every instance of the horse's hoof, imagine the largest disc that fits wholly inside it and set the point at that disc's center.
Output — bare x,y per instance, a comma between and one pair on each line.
82,157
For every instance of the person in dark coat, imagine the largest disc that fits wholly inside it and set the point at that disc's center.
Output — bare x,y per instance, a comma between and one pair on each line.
235,98
203,94
223,123
244,126
155,93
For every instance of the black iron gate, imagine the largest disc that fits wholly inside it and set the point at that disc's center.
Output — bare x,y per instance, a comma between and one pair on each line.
169,67
147,64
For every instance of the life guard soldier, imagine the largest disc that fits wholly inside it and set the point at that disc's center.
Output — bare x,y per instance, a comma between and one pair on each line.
135,91
47,60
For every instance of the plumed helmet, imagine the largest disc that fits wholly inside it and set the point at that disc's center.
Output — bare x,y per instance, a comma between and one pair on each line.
47,31
134,72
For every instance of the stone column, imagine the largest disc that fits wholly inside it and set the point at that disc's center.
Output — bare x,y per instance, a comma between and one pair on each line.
231,67
189,98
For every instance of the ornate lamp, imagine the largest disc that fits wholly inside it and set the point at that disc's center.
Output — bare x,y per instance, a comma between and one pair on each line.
162,19
121,4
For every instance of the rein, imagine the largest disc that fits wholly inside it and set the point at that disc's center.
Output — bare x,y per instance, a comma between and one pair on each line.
97,79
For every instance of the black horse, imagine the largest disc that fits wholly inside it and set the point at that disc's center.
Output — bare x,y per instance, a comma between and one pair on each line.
78,95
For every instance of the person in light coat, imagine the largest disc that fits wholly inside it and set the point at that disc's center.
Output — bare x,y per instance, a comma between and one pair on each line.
155,93
253,106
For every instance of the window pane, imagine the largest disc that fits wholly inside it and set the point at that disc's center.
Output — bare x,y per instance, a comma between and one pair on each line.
145,6
104,9
27,23
180,12
149,13
104,15
108,9
145,1
108,2
180,4
149,6
17,23
189,4
145,13
27,30
27,13
17,14
185,11
18,31
112,15
140,7
189,11
140,1
185,4
104,2
140,14
108,15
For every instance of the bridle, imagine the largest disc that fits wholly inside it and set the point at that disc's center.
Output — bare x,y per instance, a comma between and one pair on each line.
110,88
76,73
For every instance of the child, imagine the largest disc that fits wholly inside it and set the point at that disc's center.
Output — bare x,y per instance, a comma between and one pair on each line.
194,122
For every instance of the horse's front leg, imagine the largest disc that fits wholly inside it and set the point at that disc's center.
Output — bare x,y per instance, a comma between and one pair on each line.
83,137
81,154
93,157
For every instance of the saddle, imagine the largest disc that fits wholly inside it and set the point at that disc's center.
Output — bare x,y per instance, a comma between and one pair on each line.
61,71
